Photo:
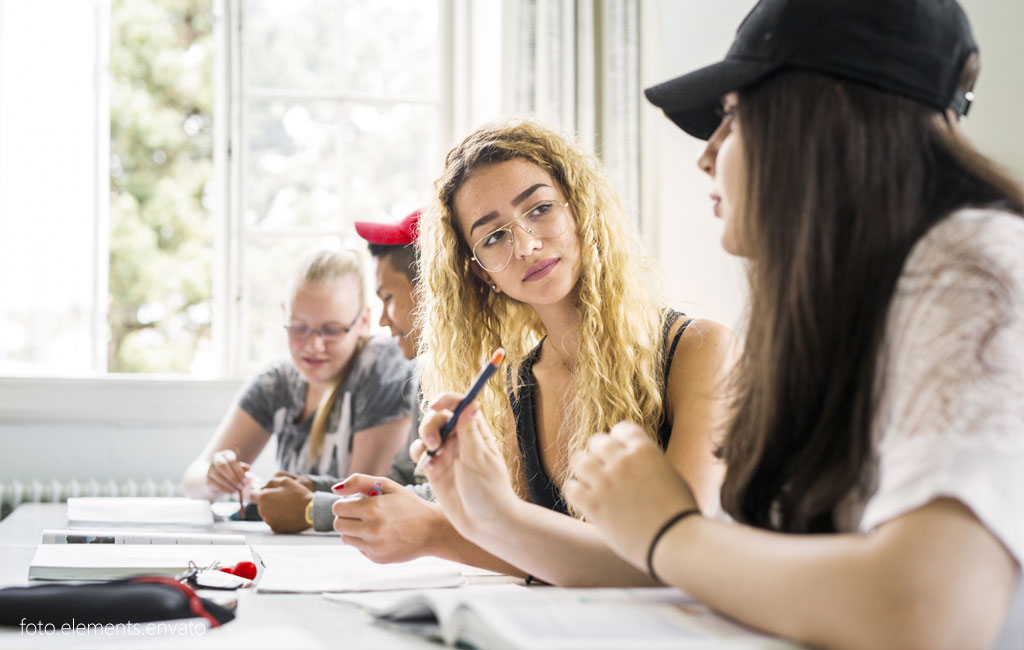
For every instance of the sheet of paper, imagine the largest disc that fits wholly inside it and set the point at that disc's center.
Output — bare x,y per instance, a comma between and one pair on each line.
140,510
321,568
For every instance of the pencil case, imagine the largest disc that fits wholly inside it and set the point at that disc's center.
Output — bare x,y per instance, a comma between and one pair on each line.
134,600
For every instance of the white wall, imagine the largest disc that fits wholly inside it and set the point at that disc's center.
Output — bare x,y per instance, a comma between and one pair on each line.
682,35
110,429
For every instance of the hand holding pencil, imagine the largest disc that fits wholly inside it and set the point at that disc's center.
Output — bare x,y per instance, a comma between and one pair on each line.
485,373
468,472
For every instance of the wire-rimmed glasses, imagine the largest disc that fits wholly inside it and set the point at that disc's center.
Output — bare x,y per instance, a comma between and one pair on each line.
328,332
546,219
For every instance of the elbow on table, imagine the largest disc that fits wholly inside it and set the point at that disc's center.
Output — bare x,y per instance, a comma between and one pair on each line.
936,621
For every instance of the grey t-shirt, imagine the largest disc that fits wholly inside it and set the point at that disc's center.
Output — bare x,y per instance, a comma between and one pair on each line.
374,392
401,469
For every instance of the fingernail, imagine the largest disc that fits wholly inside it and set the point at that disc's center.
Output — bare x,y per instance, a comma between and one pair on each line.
337,486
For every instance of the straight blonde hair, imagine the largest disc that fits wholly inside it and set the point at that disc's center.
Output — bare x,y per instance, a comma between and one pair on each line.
325,267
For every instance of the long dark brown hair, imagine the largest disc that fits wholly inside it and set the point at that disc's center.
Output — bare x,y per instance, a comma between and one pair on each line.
843,180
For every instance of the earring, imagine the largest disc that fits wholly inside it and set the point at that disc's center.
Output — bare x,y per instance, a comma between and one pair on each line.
494,286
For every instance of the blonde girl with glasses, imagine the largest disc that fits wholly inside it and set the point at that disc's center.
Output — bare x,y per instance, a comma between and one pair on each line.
337,405
528,248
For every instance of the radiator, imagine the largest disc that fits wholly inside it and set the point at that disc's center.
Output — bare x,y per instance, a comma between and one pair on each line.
14,493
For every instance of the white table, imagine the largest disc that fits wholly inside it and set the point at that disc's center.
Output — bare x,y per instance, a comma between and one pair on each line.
262,620
269,621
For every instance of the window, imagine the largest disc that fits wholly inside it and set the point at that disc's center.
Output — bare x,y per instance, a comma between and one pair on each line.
164,165
339,120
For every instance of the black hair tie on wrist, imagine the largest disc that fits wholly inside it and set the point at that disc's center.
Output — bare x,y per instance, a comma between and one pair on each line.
672,521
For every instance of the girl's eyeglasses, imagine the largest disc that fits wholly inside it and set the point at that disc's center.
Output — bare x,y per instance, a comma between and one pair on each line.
329,332
547,219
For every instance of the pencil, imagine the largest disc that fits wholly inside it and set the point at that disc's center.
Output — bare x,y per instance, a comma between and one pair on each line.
241,505
485,373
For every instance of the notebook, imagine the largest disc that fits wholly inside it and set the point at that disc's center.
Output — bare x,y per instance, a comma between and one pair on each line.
114,561
168,511
129,536
513,617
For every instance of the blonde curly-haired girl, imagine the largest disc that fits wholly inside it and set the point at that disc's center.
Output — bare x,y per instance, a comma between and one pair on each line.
528,248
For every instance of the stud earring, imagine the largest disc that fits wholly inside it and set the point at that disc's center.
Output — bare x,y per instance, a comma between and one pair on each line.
494,286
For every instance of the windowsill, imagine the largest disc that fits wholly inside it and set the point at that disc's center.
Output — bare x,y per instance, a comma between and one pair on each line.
117,398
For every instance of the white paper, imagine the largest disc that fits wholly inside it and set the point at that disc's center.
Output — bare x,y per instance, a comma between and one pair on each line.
336,567
140,510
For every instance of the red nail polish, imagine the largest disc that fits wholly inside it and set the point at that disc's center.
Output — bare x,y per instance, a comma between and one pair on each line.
337,486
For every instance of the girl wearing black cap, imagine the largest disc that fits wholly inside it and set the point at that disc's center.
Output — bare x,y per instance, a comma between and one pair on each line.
876,453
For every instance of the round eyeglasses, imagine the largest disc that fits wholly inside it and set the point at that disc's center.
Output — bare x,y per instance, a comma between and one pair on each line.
328,333
546,219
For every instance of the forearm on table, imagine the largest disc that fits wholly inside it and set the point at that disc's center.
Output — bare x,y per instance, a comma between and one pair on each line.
193,483
448,544
902,587
559,549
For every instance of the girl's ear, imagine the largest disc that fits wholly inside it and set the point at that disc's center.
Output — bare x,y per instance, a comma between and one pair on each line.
485,276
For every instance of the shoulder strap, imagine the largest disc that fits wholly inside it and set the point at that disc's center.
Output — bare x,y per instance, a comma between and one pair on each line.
675,342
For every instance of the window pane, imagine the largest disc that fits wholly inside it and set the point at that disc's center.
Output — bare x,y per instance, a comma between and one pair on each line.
291,44
49,184
161,241
397,56
293,169
324,164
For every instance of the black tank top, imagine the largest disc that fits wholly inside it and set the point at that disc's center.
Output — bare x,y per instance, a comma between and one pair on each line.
542,491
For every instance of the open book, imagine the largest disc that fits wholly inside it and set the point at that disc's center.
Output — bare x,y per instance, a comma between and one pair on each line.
513,617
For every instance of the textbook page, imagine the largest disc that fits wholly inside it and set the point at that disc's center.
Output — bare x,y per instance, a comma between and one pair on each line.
113,561
140,510
521,618
129,536
320,568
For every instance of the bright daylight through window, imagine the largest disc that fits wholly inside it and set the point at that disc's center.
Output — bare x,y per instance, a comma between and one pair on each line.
166,162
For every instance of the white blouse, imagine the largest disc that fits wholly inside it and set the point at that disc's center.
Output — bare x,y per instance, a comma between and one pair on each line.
950,422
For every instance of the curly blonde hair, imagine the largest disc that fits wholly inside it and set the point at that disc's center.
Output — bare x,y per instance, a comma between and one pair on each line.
619,373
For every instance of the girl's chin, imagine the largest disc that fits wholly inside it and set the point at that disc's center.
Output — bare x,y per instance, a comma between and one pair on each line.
317,373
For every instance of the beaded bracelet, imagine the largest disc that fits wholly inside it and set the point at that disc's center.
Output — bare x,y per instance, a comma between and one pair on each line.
672,521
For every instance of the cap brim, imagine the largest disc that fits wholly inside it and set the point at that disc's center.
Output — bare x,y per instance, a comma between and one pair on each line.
383,233
692,100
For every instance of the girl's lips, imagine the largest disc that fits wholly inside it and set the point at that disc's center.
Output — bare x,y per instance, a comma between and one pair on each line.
315,362
540,269
715,201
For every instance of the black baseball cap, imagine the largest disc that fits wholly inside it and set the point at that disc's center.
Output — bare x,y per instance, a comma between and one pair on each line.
913,48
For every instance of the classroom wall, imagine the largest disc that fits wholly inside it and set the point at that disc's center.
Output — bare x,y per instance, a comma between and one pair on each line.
678,36
112,429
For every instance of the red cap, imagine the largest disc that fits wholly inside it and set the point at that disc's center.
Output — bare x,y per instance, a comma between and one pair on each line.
390,234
